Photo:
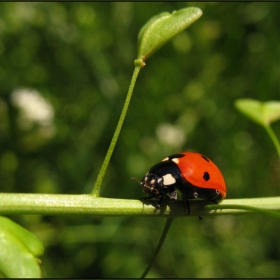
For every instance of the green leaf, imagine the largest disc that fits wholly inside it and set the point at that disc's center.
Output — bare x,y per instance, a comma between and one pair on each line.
272,111
262,113
19,250
162,28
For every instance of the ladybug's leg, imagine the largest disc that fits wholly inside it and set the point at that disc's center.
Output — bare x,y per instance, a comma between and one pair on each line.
187,205
173,195
152,196
213,194
185,199
158,203
217,194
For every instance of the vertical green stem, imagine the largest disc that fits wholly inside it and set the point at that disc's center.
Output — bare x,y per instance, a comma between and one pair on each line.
96,189
274,138
160,243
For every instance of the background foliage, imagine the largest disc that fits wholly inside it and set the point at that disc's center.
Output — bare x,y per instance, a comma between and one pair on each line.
64,73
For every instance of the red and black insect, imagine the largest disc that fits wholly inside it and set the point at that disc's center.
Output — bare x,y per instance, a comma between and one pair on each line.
193,174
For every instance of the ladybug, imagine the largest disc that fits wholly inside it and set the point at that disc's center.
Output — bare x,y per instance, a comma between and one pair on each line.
193,174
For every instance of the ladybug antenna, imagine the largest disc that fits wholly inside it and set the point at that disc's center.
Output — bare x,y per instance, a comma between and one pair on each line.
135,179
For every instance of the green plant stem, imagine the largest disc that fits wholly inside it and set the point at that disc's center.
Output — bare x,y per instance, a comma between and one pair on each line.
273,137
159,246
246,207
96,189
59,204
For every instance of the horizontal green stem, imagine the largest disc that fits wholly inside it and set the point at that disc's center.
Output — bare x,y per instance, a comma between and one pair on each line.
59,204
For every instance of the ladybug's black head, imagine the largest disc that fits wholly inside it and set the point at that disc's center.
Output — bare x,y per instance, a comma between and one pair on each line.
152,184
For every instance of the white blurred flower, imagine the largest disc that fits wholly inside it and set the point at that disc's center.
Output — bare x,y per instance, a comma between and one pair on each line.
171,135
33,106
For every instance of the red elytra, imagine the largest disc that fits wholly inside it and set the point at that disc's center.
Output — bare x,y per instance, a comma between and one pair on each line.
202,172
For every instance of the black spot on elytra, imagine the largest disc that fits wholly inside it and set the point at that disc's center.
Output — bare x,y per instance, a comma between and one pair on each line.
204,157
206,176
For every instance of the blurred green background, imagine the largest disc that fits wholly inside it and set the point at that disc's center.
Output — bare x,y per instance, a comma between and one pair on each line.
64,73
